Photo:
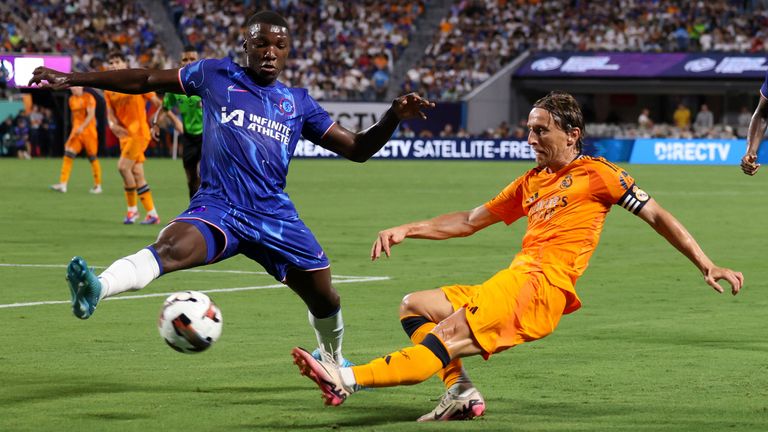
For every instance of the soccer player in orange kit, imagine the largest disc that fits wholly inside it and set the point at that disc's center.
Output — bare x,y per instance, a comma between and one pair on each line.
83,136
566,199
127,116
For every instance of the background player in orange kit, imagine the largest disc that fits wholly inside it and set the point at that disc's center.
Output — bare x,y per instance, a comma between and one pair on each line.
566,199
128,120
83,136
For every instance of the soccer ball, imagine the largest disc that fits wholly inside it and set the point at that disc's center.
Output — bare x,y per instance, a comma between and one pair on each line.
190,322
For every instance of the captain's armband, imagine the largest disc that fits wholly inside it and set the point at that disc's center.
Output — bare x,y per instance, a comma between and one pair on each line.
634,199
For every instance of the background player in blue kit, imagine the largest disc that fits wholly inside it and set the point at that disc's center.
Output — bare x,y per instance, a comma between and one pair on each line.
252,123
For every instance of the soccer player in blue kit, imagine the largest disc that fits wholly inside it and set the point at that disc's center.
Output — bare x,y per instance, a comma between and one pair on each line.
251,125
757,125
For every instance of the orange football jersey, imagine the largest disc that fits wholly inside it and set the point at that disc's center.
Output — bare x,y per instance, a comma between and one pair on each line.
566,211
131,111
79,105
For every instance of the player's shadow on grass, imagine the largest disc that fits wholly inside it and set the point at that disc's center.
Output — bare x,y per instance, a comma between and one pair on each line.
322,418
47,391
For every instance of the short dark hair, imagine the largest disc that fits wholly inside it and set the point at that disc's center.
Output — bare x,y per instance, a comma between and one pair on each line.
267,17
116,54
189,48
566,112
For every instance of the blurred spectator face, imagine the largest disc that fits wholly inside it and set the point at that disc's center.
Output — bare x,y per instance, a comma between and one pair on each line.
97,64
116,63
266,49
76,91
188,57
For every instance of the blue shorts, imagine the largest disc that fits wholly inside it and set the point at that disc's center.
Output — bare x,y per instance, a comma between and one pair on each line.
276,244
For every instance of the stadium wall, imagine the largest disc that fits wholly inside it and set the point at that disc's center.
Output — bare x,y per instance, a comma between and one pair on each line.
360,115
493,101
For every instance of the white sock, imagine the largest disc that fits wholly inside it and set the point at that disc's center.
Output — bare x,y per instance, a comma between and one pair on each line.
131,273
348,378
133,209
330,332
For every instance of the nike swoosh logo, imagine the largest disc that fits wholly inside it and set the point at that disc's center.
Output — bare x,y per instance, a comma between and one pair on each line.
439,415
232,88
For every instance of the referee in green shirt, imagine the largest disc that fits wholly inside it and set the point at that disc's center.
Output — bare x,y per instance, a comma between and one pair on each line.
191,125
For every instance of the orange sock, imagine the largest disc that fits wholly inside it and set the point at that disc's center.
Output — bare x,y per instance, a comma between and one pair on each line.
145,195
96,168
449,374
405,367
66,169
130,197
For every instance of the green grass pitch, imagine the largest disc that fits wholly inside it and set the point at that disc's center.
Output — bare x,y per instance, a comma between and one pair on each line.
652,349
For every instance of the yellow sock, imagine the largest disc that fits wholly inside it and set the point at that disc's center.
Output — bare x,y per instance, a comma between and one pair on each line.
66,169
96,168
405,367
145,195
130,197
449,374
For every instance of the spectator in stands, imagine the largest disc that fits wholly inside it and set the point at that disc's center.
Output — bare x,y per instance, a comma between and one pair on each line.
7,137
682,117
519,134
447,131
96,64
704,120
644,122
21,133
462,133
50,129
35,130
4,76
405,131
742,122
503,130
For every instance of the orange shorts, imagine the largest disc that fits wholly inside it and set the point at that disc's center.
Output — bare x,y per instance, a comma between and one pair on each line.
508,309
133,147
87,140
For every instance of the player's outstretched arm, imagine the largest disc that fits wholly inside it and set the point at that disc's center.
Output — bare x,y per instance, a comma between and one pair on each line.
757,126
360,146
459,224
676,234
132,81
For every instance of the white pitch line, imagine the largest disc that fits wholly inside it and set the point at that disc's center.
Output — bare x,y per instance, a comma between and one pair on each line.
217,290
261,273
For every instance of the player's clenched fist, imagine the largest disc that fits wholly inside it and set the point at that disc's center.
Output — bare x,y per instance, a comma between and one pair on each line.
749,164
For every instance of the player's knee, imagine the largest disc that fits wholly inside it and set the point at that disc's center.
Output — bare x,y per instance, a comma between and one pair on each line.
408,306
331,300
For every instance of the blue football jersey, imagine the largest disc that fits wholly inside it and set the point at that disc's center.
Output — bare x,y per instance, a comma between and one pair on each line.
764,87
249,135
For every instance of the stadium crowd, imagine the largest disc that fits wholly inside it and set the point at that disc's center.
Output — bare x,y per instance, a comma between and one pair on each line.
85,29
463,54
341,50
